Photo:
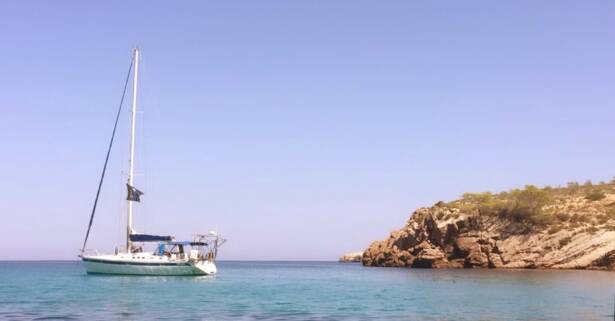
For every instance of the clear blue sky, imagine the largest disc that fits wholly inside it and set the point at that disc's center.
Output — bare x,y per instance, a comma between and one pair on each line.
301,130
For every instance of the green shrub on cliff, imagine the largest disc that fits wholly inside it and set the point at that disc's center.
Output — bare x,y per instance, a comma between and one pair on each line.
595,195
526,205
485,203
477,198
520,205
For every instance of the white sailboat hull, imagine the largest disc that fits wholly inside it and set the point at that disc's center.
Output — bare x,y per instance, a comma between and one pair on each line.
118,265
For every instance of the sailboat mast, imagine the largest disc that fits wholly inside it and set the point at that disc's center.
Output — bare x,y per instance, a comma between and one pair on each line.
131,161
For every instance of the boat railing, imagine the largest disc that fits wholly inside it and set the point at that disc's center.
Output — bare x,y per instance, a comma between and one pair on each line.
88,252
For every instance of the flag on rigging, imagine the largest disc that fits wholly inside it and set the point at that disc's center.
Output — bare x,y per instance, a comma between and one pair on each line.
133,194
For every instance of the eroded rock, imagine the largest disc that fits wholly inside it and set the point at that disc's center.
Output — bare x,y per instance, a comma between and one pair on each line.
441,237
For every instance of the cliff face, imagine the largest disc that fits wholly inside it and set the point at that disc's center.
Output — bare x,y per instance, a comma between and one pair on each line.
580,235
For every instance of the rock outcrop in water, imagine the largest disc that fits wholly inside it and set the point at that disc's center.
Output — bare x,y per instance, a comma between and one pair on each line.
351,257
501,231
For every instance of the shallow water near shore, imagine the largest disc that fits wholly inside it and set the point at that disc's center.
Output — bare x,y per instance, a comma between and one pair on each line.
305,291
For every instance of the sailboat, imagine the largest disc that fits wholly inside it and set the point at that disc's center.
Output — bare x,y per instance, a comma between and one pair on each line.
169,256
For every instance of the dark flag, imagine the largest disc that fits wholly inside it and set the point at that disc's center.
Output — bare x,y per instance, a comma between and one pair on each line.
133,194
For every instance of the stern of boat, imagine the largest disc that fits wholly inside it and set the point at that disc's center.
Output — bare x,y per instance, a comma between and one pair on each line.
206,267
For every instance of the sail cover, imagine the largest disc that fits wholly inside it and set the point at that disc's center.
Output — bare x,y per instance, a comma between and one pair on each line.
149,238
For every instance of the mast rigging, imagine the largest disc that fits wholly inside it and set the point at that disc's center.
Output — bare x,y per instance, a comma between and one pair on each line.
102,177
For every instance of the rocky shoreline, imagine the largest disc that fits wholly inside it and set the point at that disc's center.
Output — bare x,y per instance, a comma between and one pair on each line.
351,257
454,236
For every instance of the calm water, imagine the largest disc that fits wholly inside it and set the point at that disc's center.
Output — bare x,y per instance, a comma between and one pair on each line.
305,291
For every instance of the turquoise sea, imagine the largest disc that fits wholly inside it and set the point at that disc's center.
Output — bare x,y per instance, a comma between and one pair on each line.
305,291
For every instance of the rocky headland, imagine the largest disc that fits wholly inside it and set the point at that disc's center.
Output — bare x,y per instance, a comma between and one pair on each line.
561,228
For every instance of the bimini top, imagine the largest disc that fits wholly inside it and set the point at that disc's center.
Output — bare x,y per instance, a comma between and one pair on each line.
186,243
149,238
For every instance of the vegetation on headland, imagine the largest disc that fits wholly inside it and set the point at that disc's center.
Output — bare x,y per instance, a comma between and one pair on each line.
540,207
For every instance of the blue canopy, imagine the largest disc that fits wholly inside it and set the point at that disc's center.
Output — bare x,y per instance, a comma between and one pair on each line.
185,243
160,249
149,238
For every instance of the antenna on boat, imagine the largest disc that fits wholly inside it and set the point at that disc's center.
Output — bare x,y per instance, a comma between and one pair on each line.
131,160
